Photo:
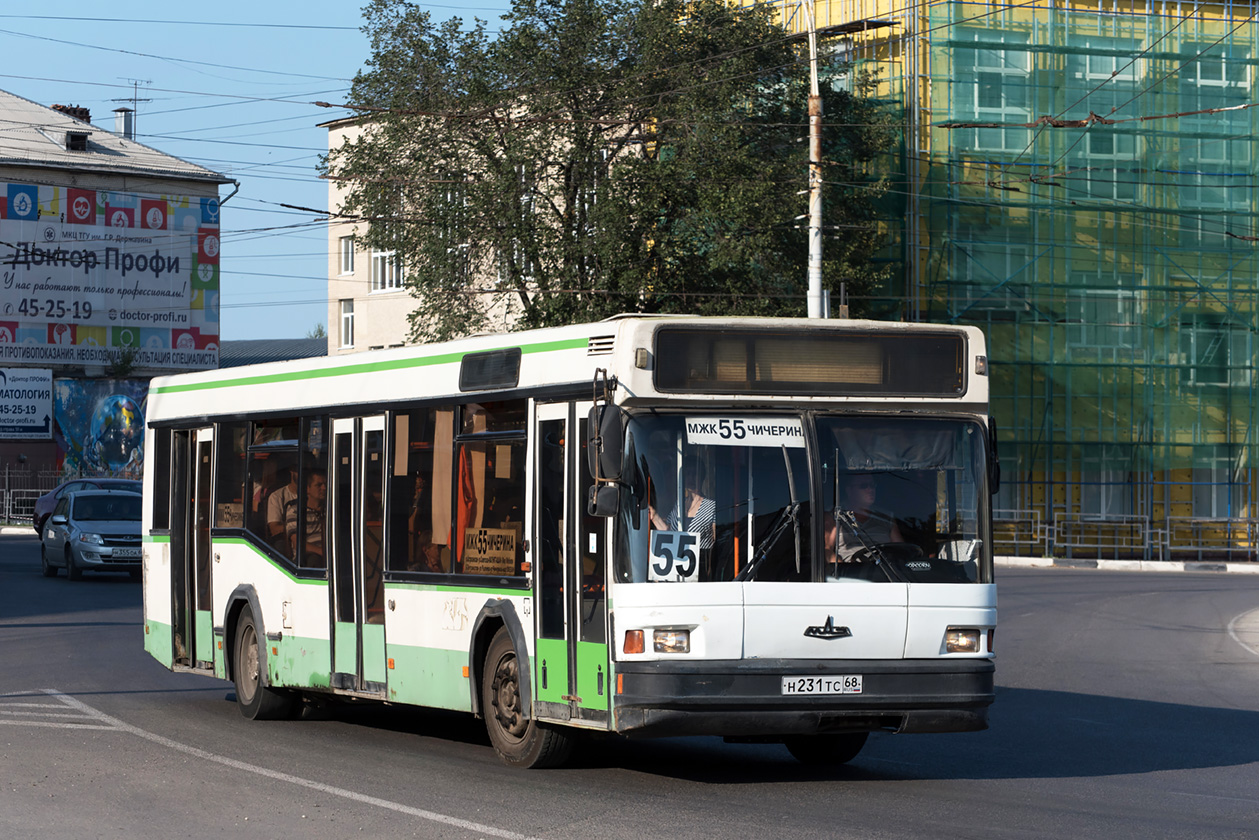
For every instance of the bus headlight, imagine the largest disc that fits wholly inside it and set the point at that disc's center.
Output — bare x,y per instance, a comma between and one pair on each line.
961,641
671,641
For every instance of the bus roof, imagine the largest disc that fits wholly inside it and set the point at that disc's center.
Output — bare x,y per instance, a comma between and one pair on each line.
550,359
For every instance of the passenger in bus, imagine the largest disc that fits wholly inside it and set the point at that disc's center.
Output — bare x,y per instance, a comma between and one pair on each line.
697,514
312,527
873,526
277,507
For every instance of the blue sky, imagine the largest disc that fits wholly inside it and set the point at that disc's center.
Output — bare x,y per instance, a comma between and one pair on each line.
229,86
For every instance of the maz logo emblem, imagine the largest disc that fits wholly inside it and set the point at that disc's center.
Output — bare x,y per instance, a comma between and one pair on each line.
827,630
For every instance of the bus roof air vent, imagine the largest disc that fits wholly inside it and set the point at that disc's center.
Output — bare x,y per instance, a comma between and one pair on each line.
600,345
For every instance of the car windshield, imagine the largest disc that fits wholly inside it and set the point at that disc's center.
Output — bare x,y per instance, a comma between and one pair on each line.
122,506
708,498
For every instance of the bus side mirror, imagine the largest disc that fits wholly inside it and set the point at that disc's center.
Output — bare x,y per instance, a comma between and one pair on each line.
606,441
604,500
994,461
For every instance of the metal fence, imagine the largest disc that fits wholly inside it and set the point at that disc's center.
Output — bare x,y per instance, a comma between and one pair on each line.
1089,536
20,488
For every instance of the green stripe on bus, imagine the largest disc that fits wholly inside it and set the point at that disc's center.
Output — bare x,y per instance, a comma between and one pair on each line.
351,370
217,541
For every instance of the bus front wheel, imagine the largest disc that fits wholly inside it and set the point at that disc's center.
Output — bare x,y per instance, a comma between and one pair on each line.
826,750
255,699
519,741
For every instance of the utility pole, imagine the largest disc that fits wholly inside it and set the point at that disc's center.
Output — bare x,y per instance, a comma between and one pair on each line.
815,167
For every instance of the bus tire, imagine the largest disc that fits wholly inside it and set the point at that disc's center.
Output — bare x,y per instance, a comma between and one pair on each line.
254,698
519,741
826,750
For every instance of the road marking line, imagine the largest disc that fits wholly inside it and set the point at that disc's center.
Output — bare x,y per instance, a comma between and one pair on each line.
1214,796
431,816
51,725
45,714
1232,631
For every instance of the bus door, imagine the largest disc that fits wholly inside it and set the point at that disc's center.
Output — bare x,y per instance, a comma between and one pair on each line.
357,557
192,479
571,677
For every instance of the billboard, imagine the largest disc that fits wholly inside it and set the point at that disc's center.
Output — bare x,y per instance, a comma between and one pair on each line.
88,275
25,404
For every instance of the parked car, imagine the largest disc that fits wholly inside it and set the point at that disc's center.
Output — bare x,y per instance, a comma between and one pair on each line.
96,530
45,503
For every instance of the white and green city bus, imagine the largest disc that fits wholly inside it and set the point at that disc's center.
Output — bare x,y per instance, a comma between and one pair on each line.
764,529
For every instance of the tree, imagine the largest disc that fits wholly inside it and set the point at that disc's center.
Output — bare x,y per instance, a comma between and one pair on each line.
596,157
317,331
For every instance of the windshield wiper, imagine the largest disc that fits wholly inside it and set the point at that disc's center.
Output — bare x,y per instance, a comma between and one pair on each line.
786,516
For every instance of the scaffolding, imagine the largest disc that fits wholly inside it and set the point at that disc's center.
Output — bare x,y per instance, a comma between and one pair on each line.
1080,181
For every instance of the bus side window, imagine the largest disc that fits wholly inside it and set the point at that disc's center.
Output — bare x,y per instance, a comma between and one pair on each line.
229,494
490,501
419,493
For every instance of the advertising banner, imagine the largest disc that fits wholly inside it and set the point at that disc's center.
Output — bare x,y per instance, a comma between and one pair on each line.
87,276
25,404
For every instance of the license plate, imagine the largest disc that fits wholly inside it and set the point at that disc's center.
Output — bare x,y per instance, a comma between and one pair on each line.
126,552
841,684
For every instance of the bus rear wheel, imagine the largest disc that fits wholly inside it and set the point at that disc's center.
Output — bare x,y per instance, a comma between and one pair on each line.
519,741
254,698
826,750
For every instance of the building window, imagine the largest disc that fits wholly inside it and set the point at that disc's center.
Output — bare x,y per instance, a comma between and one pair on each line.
993,69
1213,353
1215,153
1104,316
347,254
1106,487
347,323
386,271
1219,482
995,273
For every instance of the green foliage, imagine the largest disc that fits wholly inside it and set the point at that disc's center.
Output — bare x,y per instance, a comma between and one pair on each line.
601,156
317,331
122,362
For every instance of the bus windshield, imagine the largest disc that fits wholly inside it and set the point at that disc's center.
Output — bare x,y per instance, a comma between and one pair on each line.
708,498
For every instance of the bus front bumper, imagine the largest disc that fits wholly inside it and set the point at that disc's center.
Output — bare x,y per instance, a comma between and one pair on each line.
744,698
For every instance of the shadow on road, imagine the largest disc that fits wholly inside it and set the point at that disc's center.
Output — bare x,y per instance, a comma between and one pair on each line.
1035,734
25,593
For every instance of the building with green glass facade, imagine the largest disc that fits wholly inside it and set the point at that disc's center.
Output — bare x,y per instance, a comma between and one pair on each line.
1079,180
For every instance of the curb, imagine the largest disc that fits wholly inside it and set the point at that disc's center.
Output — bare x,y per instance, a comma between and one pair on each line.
17,530
1127,565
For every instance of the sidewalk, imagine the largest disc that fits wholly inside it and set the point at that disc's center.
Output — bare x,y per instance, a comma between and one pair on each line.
1128,565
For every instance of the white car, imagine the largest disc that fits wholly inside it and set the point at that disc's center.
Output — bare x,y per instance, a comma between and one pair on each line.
93,530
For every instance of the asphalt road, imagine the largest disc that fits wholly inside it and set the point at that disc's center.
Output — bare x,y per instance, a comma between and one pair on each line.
1127,706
